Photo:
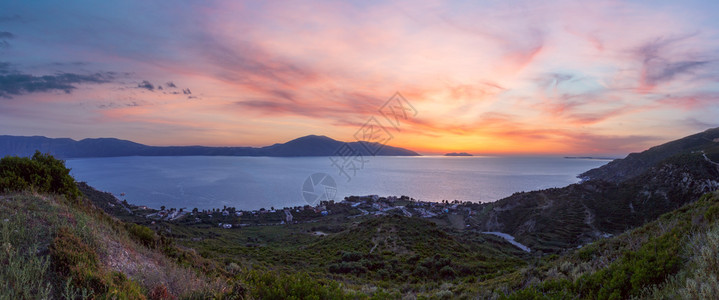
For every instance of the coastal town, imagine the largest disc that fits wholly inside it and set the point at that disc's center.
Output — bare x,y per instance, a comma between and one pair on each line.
457,212
322,218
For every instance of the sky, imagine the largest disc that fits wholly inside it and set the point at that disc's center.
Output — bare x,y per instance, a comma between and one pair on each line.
485,77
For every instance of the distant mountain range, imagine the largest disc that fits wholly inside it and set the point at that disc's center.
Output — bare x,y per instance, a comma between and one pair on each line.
311,145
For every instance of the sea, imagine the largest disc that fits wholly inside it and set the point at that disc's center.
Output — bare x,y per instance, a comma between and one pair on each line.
251,183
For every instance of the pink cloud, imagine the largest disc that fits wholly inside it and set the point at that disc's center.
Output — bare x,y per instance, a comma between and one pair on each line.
555,73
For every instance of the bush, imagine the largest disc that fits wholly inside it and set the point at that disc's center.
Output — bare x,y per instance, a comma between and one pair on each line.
351,256
142,234
42,172
447,272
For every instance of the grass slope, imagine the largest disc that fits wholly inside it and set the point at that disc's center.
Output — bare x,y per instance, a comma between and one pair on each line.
673,257
53,249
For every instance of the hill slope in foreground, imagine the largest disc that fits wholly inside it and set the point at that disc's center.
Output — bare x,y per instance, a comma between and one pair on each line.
652,235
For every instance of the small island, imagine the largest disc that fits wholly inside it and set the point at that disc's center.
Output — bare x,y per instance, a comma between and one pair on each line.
458,154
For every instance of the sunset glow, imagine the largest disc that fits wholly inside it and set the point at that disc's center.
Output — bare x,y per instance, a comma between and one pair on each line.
490,77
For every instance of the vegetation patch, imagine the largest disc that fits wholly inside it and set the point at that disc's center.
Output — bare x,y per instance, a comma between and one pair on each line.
73,259
650,260
41,173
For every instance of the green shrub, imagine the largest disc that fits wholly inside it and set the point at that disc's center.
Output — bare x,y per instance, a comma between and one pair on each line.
587,252
447,272
142,234
351,256
42,172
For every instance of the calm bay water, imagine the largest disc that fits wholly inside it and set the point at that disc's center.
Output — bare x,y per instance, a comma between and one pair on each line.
255,182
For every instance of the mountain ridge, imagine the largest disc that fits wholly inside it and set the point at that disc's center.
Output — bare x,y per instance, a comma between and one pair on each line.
611,199
310,145
636,163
